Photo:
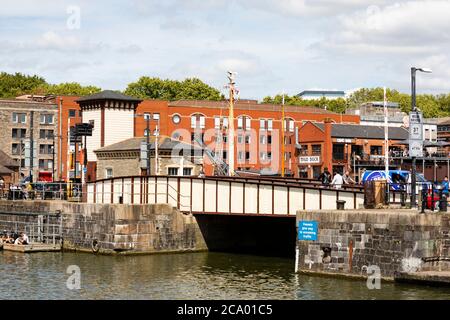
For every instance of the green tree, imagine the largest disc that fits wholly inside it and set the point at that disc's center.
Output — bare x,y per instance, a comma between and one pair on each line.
156,88
67,89
13,85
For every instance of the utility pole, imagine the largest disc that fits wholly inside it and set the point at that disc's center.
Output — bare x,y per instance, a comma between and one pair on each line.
231,125
31,145
282,138
156,149
386,143
148,142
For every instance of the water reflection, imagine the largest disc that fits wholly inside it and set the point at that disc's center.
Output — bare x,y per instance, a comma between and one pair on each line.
182,276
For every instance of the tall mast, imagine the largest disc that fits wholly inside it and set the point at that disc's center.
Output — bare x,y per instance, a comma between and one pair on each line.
282,138
231,125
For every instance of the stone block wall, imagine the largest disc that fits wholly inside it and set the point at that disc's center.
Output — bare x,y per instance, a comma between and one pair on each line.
114,228
395,241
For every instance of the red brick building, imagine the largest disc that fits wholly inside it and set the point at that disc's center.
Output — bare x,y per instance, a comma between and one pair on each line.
257,128
341,147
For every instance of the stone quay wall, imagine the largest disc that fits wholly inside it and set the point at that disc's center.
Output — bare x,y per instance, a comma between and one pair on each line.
111,228
348,242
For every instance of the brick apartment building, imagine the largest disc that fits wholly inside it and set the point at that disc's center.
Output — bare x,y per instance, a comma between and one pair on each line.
258,127
341,147
25,119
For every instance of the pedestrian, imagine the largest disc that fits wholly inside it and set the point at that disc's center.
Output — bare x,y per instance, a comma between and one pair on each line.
347,178
338,181
325,177
445,187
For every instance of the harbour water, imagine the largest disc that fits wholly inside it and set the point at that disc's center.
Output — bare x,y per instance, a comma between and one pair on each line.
183,276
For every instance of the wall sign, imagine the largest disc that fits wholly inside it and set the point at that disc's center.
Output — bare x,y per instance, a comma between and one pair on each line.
307,230
308,160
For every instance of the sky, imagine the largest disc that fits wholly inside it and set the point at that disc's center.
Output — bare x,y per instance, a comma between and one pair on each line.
274,45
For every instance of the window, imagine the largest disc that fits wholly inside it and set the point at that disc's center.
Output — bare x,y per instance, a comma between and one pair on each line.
262,124
45,164
72,113
270,124
224,155
197,121
338,152
304,150
45,134
287,156
172,171
19,133
45,149
21,162
187,171
46,119
147,116
108,173
248,139
316,149
240,156
216,122
240,123
262,139
248,122
19,117
247,155
263,156
156,116
176,119
146,132
239,138
269,139
17,148
376,150
244,122
269,155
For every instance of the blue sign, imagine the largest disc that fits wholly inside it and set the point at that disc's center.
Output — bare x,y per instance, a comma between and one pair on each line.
307,230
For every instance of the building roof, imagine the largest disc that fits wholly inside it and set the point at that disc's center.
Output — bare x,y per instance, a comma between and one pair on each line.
108,95
443,121
247,105
321,92
364,132
7,161
5,170
134,144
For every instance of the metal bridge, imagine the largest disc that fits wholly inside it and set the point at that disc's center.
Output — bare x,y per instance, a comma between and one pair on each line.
224,195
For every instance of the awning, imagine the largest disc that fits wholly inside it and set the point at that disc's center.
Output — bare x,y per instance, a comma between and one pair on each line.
45,177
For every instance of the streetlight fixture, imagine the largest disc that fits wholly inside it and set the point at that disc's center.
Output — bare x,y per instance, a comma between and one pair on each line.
414,109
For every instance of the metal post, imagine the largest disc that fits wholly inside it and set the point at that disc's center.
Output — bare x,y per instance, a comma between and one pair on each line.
31,145
75,161
282,138
156,149
413,109
53,161
231,126
148,142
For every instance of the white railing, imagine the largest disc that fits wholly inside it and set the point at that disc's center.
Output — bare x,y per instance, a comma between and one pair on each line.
213,195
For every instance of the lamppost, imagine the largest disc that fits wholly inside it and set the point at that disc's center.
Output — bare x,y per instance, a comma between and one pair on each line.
414,110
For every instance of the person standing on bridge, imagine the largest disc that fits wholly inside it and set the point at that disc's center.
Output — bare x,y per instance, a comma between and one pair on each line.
347,178
338,181
325,177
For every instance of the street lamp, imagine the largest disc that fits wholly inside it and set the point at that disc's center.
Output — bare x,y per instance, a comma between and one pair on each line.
414,109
